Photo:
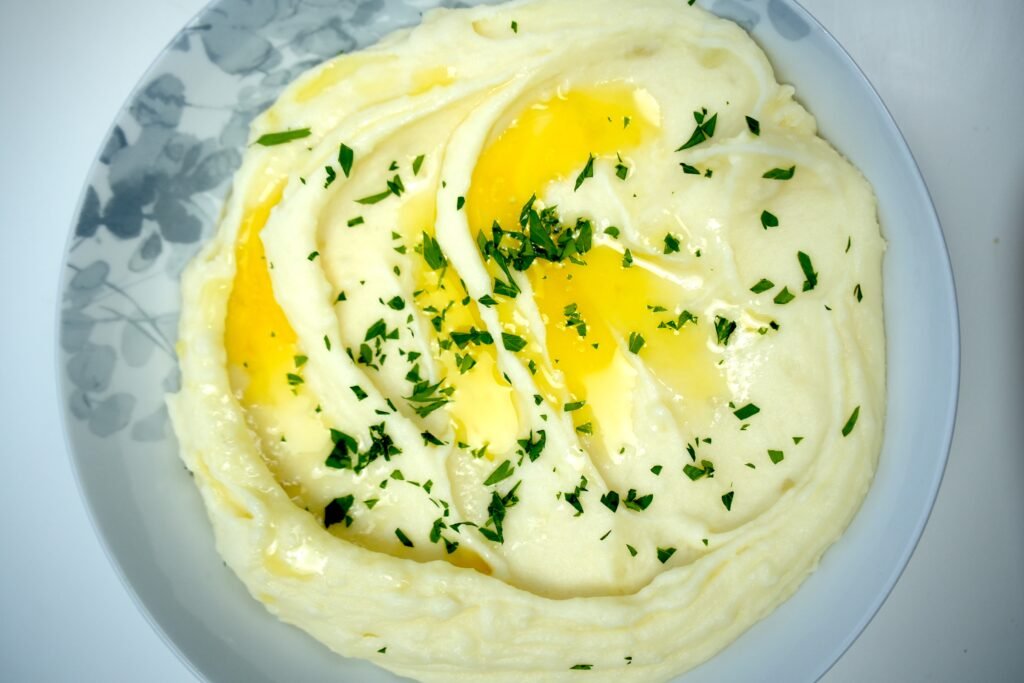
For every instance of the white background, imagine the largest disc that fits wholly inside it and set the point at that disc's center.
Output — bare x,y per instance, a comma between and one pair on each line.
951,71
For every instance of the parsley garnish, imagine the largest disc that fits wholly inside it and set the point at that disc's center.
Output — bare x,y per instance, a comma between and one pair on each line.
345,158
459,203
345,447
784,297
689,170
811,280
515,27
754,125
497,509
706,469
271,139
575,405
581,667
638,503
432,253
353,222
768,220
358,391
621,170
403,538
294,380
631,549
627,259
746,411
501,472
727,500
705,129
374,198
665,553
512,342
636,342
417,164
587,172
532,449
850,423
671,244
780,173
337,511
573,319
858,293
763,285
610,500
428,397
724,329
775,456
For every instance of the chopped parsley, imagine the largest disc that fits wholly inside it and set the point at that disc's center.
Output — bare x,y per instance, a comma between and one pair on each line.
345,158
492,529
512,342
852,422
776,456
724,329
581,667
403,538
627,259
689,170
754,125
346,448
515,26
427,397
749,410
432,253
573,319
500,473
858,294
459,203
638,503
587,172
621,170
337,511
271,139
636,342
610,500
665,553
353,222
727,500
671,244
763,285
706,469
575,405
417,164
532,449
705,129
769,220
780,173
811,278
784,297
358,391
631,549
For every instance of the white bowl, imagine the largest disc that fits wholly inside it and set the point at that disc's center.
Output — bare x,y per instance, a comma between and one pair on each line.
154,194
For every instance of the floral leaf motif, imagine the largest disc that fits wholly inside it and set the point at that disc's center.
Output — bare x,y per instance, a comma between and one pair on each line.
89,217
75,330
136,346
114,143
83,285
211,171
91,368
325,40
160,103
111,414
152,427
177,223
236,50
787,22
147,252
123,215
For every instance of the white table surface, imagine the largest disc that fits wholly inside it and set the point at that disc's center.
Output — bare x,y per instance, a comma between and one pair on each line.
952,73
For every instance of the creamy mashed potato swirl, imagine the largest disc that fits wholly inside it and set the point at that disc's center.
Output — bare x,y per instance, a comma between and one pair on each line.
540,338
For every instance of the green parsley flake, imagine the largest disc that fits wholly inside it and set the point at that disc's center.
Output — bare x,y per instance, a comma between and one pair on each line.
754,125
417,164
763,285
575,405
784,297
775,456
627,259
353,222
780,173
501,472
724,329
636,342
689,170
512,342
515,27
727,500
345,158
631,549
851,423
769,220
705,129
587,172
581,667
671,244
665,553
811,278
271,139
858,294
403,538
749,410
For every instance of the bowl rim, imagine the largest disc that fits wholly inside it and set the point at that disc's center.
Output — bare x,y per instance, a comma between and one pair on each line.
948,422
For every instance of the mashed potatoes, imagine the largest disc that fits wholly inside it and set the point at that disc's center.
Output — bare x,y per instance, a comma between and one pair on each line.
540,338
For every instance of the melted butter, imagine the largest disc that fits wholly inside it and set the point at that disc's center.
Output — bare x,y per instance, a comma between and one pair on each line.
552,139
430,78
615,302
497,426
547,142
257,336
335,72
